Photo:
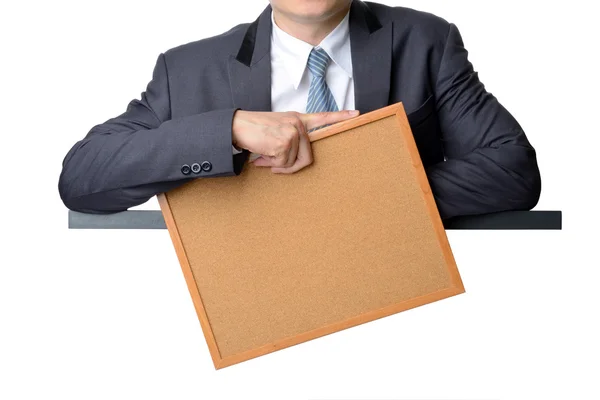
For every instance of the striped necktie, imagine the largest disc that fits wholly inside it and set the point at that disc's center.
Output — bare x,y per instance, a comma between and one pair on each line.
319,95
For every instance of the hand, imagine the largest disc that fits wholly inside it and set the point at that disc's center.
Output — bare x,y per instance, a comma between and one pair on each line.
281,138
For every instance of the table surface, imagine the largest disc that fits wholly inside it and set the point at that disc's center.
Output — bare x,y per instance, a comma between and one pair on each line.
153,219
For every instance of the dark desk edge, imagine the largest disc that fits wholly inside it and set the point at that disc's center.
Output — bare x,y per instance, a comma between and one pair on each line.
153,219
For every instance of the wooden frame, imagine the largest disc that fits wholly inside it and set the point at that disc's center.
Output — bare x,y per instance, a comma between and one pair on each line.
454,286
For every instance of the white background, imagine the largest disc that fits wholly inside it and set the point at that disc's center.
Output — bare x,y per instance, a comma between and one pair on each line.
106,314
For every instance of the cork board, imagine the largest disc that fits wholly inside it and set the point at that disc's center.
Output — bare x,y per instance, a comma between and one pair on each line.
273,260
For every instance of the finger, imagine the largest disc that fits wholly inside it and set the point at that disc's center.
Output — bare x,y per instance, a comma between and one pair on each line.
293,153
305,157
283,160
314,120
263,161
270,161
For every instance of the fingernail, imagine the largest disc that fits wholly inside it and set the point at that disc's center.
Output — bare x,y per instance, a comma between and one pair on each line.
353,113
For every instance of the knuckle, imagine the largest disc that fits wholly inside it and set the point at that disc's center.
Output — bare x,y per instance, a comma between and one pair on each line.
291,131
281,144
294,119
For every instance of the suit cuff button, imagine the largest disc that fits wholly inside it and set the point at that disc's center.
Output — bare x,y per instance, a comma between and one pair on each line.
196,168
185,169
206,166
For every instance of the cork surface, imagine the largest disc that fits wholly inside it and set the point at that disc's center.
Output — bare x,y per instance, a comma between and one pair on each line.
274,256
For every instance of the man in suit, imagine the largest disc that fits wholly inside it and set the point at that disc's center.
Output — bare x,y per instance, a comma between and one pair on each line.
263,86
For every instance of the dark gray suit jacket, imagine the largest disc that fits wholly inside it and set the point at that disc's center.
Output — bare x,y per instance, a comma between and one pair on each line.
398,54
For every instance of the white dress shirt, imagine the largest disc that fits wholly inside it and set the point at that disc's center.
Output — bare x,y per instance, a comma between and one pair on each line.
290,77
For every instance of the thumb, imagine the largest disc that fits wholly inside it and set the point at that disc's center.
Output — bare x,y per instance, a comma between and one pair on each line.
314,120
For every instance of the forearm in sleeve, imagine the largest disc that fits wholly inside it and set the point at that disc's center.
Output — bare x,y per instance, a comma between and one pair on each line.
490,165
486,180
130,158
111,171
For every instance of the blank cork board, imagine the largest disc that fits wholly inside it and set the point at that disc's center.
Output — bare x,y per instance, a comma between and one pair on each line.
273,260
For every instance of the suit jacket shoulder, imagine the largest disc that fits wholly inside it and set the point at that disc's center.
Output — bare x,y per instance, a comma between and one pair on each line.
206,51
227,41
201,64
427,26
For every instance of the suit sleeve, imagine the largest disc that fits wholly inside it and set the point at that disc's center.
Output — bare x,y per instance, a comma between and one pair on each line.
490,165
126,160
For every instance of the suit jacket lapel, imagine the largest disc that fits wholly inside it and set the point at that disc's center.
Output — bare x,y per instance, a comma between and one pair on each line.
371,45
250,69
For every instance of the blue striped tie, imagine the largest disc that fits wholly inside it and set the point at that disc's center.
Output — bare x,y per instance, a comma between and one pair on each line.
319,96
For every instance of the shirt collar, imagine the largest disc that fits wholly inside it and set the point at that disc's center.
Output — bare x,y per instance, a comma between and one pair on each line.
295,52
